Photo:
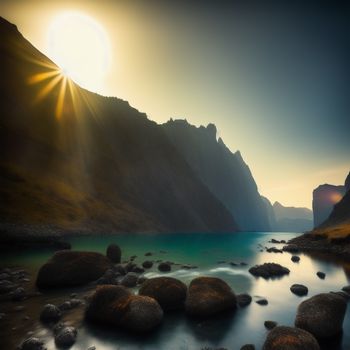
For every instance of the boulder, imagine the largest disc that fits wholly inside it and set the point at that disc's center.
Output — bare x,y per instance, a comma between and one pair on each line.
208,296
115,306
66,337
169,292
164,267
288,338
295,258
101,307
269,270
299,289
322,315
32,344
72,268
143,314
130,280
147,264
114,253
243,300
50,313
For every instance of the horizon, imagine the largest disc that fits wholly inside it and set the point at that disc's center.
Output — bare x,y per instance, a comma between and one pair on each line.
279,159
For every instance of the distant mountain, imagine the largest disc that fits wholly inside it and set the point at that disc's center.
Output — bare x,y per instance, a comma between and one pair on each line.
224,173
292,219
324,198
338,221
78,161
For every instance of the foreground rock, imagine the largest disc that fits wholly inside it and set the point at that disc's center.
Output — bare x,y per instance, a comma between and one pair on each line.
66,337
32,344
114,253
288,338
115,306
72,268
322,315
299,289
208,296
169,292
268,270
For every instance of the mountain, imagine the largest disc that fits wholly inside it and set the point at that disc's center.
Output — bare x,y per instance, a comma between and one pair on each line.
324,198
73,160
292,219
225,173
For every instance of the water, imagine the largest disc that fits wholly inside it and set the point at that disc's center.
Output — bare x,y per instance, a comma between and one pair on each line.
203,250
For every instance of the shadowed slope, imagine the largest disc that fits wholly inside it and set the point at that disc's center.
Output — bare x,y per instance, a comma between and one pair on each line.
77,160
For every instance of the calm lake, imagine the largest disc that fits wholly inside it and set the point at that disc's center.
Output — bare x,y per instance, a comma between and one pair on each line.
177,332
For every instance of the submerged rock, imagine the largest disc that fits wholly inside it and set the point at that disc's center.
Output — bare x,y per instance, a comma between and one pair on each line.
322,315
208,296
269,270
169,292
243,300
72,268
32,344
288,338
299,289
114,253
270,324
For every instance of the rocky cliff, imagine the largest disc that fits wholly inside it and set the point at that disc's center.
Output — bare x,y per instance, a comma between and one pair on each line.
79,161
225,174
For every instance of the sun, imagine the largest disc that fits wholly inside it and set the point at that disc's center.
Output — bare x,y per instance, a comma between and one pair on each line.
80,47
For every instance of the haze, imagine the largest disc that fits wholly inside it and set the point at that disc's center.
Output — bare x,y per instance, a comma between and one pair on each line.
275,82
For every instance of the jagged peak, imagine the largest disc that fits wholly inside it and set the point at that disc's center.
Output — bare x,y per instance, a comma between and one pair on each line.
5,24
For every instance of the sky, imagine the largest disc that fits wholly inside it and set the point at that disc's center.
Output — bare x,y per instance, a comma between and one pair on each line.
273,76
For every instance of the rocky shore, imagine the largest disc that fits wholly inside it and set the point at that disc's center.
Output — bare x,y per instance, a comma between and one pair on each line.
117,296
318,243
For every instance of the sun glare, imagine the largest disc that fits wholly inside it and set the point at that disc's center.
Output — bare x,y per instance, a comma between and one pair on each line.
80,46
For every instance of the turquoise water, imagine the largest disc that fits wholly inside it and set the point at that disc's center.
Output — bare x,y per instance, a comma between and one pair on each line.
205,250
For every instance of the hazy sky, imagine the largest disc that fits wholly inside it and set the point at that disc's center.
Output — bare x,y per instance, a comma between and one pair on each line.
274,78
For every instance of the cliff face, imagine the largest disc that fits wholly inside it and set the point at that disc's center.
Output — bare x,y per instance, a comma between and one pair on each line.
292,219
224,173
323,201
77,160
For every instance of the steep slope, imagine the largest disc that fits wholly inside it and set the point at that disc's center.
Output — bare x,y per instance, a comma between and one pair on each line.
79,161
223,172
292,219
324,198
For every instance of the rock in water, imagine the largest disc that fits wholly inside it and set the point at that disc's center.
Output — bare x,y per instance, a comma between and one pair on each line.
322,315
130,280
299,289
208,296
248,347
32,344
269,270
295,258
270,324
169,292
66,337
243,300
288,338
50,313
114,253
164,267
147,264
116,306
72,268
321,275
